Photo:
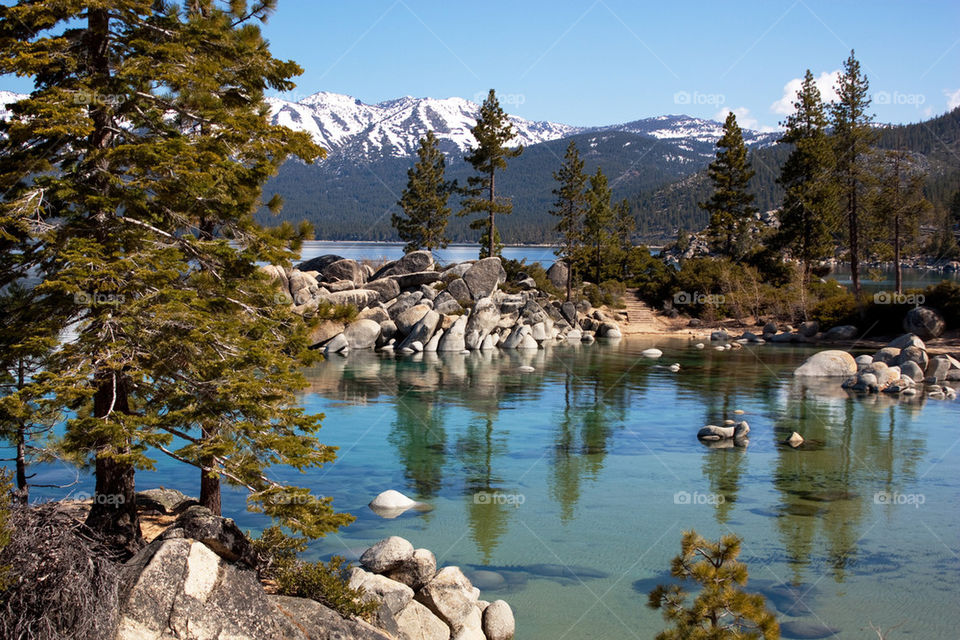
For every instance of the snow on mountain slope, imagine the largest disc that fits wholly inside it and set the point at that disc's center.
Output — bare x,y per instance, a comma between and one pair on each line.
8,97
677,127
393,128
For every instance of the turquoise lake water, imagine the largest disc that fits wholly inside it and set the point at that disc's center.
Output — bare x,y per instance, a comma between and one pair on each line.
569,488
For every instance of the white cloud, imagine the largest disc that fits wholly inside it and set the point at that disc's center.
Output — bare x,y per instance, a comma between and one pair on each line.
953,99
826,82
744,119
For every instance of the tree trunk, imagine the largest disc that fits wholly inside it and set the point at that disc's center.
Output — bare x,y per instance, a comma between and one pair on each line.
210,482
491,228
854,237
114,509
210,492
896,254
569,274
22,493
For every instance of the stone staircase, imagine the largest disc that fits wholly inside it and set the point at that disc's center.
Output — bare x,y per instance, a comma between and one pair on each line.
640,317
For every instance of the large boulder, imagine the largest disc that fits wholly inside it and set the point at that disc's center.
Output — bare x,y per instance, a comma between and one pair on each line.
418,279
446,304
828,364
459,290
362,334
914,354
483,277
453,338
180,588
411,263
386,287
911,370
407,319
841,332
314,621
387,554
395,595
422,331
166,501
887,355
937,369
319,263
809,329
415,571
482,320
221,535
498,622
417,622
925,322
907,340
557,274
359,298
345,269
325,330
451,597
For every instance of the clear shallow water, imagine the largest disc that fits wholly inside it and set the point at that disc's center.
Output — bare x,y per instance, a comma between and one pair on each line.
594,457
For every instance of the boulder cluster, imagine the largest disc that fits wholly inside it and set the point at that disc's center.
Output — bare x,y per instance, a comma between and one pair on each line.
902,367
198,580
410,305
419,602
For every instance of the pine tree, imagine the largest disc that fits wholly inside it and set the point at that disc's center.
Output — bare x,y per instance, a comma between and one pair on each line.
492,133
570,207
898,203
624,224
721,610
852,139
596,223
809,204
424,201
132,174
731,205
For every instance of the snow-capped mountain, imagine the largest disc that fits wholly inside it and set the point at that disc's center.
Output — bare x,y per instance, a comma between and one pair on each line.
346,126
683,127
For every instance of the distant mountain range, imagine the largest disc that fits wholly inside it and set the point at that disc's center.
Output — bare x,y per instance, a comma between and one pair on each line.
656,163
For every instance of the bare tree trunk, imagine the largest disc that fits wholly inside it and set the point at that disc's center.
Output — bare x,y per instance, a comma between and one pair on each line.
210,482
491,230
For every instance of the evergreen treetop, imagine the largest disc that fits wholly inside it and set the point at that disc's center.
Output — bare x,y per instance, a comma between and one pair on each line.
731,204
424,201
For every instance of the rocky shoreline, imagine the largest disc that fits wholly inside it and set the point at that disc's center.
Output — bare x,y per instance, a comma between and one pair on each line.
199,578
409,306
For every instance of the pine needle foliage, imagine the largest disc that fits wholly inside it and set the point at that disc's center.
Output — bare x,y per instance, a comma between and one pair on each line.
132,173
721,610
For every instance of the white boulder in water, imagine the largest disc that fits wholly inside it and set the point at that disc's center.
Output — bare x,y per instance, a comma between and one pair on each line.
652,353
391,503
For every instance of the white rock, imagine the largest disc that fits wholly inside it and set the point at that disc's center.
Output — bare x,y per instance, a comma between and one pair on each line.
651,353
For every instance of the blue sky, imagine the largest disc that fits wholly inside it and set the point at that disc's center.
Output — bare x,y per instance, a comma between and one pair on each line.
596,62
608,61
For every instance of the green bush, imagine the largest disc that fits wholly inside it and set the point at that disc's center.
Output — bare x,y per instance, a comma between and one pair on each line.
320,581
517,269
835,305
945,298
346,313
609,293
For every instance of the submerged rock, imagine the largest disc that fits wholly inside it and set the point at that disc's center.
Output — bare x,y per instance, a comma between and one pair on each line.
828,364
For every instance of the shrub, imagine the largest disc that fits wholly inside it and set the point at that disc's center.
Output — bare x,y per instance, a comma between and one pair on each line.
519,269
346,313
323,582
835,304
609,293
945,298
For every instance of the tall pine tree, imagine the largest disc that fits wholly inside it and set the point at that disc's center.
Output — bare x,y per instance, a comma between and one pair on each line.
132,174
898,204
731,204
596,223
492,133
570,207
807,218
424,201
853,136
